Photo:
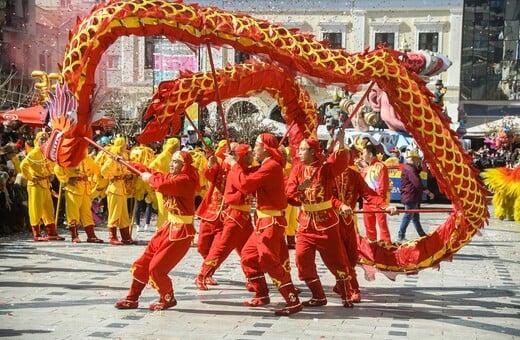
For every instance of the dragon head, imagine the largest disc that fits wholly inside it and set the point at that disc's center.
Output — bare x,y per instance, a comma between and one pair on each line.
62,107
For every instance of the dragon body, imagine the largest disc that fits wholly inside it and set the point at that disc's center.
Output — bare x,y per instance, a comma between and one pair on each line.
175,96
295,53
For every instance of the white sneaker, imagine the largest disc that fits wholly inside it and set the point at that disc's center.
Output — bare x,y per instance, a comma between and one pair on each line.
137,228
146,226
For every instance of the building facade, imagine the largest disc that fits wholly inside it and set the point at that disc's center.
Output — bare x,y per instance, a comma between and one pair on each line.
134,65
489,80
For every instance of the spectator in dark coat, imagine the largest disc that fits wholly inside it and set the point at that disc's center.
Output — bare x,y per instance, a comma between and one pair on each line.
411,193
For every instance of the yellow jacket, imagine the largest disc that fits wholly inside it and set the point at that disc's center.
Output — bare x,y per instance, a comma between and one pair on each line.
36,169
76,178
116,173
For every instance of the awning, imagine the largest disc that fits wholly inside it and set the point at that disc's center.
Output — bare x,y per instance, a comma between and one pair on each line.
35,115
104,123
483,130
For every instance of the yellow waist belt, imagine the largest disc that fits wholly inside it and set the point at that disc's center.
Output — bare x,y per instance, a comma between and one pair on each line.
184,219
268,213
317,206
245,207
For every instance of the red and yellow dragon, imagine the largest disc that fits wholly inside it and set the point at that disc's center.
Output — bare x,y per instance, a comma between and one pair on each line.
293,53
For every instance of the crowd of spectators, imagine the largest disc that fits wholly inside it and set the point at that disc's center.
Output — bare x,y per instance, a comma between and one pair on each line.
16,139
485,157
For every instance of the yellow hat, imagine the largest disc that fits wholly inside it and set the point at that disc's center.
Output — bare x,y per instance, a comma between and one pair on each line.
412,154
170,144
118,144
38,136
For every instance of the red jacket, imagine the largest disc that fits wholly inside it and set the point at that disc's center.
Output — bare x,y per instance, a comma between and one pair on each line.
266,182
319,194
213,202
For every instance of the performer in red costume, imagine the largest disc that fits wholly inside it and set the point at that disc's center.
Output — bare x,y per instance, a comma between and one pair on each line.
350,186
310,186
266,251
237,226
171,243
211,208
376,176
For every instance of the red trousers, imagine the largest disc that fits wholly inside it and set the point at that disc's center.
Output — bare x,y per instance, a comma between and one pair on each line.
236,230
349,237
370,224
164,251
209,232
330,246
266,252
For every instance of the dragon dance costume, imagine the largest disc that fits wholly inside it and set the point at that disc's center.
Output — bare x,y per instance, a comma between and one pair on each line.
310,186
350,186
171,243
77,189
236,226
266,251
37,169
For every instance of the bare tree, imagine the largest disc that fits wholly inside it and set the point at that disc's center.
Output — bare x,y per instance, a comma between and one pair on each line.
111,105
244,124
13,94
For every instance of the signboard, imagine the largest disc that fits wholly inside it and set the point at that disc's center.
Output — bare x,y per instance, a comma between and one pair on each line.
170,58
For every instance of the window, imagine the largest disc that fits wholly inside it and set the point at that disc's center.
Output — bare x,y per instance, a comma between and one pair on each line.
112,61
335,33
335,39
385,30
429,34
148,52
385,37
429,41
65,3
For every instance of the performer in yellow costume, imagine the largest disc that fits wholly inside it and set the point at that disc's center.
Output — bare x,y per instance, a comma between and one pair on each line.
77,188
117,195
200,162
37,170
162,164
142,191
291,212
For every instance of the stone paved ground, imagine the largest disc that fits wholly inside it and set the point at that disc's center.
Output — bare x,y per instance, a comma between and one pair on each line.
60,290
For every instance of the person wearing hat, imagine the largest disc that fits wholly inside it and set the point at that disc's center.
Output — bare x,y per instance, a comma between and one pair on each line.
291,212
210,211
37,170
77,192
144,155
377,178
161,163
411,193
117,194
266,251
349,187
236,224
439,93
311,186
10,152
393,159
173,240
